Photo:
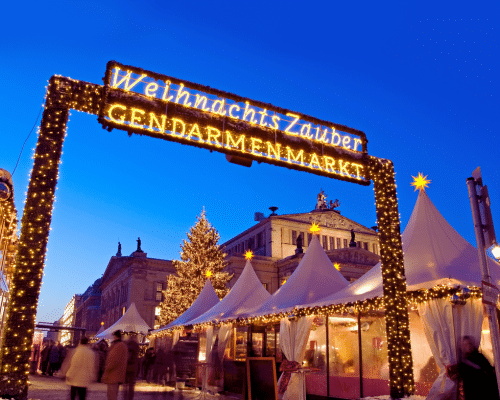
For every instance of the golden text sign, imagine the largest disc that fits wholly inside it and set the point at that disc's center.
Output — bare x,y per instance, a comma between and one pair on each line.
144,102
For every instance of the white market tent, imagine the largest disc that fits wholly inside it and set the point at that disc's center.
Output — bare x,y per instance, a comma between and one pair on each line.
434,254
131,321
204,302
101,330
246,295
314,278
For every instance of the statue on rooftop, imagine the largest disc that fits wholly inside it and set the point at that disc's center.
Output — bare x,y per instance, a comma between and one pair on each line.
321,201
334,204
139,245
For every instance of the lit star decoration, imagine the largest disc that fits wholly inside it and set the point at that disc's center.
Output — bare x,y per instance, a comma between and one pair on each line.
315,229
337,266
208,274
248,255
420,182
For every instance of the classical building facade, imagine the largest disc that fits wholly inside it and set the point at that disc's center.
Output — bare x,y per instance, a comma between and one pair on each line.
278,243
88,314
133,279
69,319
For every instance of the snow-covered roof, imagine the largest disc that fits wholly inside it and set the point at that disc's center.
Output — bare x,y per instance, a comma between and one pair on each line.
204,302
246,295
314,278
434,254
131,321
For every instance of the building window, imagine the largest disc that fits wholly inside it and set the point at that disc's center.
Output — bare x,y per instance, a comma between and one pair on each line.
159,289
260,242
309,238
332,243
294,237
325,242
265,285
345,243
338,243
375,250
157,310
365,245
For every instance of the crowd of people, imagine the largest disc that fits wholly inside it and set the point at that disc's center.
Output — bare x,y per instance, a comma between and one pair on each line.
120,362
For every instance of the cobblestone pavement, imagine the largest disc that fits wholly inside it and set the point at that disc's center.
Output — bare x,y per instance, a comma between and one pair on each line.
52,388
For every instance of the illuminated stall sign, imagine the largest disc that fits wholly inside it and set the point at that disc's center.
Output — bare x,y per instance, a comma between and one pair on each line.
144,102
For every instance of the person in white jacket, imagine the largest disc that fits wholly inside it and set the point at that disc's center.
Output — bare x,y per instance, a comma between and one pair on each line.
82,369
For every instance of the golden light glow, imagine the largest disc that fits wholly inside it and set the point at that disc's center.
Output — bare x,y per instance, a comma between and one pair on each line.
178,129
208,274
248,255
337,266
315,229
420,182
289,123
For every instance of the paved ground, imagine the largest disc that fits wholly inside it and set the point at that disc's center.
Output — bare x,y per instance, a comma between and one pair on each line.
52,388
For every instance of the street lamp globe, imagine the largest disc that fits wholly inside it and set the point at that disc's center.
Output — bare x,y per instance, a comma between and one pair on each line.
495,250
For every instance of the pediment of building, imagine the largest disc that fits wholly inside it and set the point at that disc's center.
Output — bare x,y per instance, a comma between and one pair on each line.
328,219
115,265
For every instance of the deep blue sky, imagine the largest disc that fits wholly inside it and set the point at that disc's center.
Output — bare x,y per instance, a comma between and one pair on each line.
420,80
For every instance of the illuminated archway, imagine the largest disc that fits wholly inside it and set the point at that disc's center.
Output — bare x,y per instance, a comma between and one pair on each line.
147,103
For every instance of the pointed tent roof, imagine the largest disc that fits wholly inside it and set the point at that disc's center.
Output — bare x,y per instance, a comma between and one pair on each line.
434,254
314,278
246,295
131,321
101,330
204,302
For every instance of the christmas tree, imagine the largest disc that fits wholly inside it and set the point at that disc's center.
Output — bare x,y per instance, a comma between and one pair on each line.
201,257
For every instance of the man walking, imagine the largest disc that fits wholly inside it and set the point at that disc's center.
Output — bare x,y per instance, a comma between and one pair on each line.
116,366
132,364
82,370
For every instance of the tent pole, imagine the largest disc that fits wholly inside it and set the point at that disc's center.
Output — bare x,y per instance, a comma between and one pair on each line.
360,357
327,357
481,248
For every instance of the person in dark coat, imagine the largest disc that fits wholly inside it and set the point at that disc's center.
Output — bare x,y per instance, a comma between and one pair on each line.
160,367
476,372
148,362
53,359
116,366
132,366
101,348
45,357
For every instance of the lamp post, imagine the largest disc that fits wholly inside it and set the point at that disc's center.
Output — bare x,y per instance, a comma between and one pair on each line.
475,185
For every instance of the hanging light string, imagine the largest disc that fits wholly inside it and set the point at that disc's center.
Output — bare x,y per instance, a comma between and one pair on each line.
29,134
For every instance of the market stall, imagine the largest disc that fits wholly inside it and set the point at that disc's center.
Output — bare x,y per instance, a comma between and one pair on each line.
443,281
